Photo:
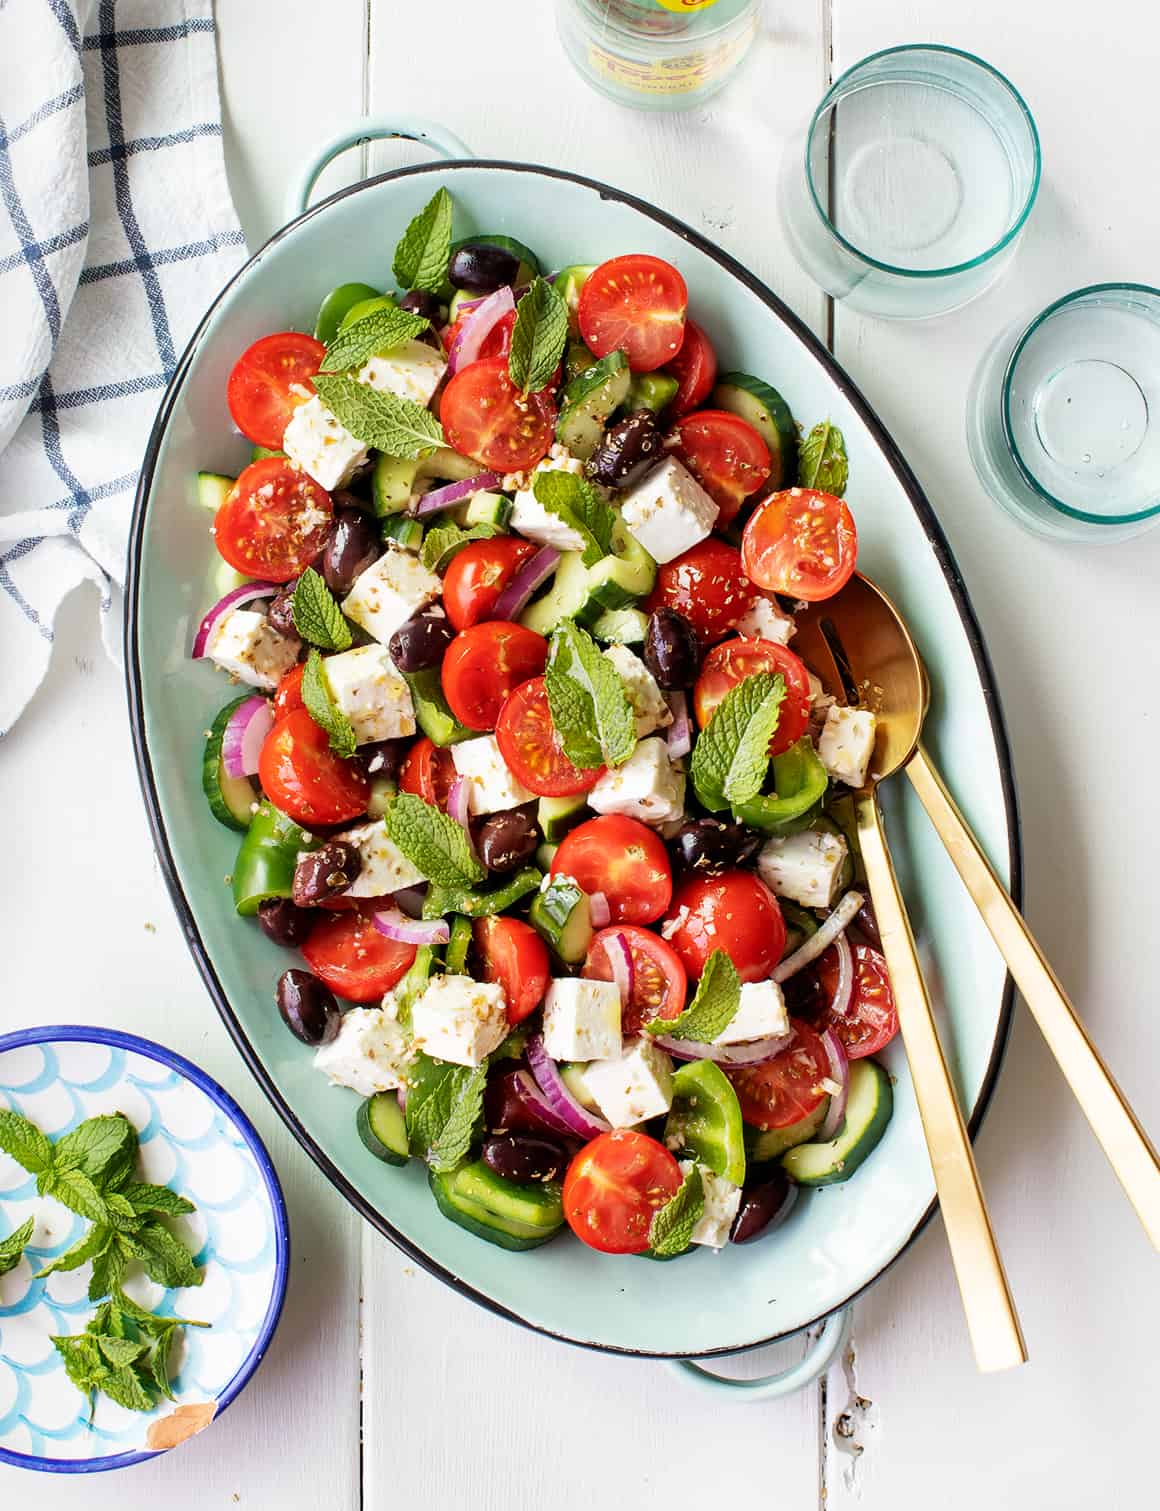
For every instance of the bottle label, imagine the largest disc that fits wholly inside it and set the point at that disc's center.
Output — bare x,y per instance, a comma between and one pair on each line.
685,5
682,75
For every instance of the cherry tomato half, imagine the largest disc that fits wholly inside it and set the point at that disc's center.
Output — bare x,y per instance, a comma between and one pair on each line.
356,962
622,858
871,1020
659,983
261,388
787,1088
635,304
726,456
695,369
706,584
483,664
528,743
497,342
274,521
613,1187
486,417
479,574
288,697
731,662
513,954
801,542
428,772
735,912
303,777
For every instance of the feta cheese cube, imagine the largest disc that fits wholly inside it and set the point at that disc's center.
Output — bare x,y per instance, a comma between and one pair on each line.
668,511
389,592
530,518
582,1019
370,1053
384,866
648,702
634,1085
807,867
322,446
648,786
371,693
847,743
459,1019
765,621
245,644
722,1199
491,786
762,1014
413,370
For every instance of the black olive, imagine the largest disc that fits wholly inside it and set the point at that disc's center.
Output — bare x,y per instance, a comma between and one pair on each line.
672,651
421,641
505,839
284,922
524,1157
761,1202
351,546
325,872
281,611
710,845
627,451
420,302
482,268
308,1009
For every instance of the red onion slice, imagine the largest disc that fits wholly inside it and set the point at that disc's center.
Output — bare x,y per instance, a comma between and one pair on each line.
619,955
725,1054
248,726
404,930
410,900
599,912
477,327
457,801
401,1094
680,734
537,1105
233,600
840,1075
844,988
455,493
536,570
817,944
579,1120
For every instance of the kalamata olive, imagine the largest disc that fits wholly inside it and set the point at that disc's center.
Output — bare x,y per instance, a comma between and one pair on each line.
482,268
384,759
420,302
504,1111
284,922
708,845
280,613
325,872
672,651
421,641
761,1202
524,1156
867,921
345,498
627,451
505,839
351,546
308,1009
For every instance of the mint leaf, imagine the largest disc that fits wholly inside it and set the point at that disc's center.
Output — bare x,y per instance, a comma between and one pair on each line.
713,1008
822,460
76,1191
82,1359
166,1259
109,1266
671,1229
573,718
424,250
121,1214
12,1247
87,1247
24,1141
380,331
317,616
158,1364
321,707
443,1107
577,656
488,900
119,1351
94,1145
575,501
731,756
123,1386
434,843
538,337
450,1146
143,1197
446,541
397,426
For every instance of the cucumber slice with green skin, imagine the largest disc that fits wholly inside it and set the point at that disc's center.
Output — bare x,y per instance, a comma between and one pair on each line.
573,1078
458,300
455,954
531,1204
478,1220
382,795
405,531
765,409
655,391
565,599
560,915
706,1118
869,1104
231,798
212,489
366,306
383,1129
337,304
488,509
432,713
588,401
569,282
556,815
259,453
545,855
392,483
800,925
799,780
765,1144
577,359
617,582
621,627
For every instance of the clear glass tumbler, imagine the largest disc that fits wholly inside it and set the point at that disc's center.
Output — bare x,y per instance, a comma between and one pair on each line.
906,194
1063,416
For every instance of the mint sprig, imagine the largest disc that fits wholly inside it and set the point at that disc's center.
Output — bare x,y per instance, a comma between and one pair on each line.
445,542
822,460
671,1229
380,331
443,1109
597,701
12,1247
579,505
424,249
732,755
538,337
317,616
434,843
24,1141
320,705
573,718
399,427
713,1008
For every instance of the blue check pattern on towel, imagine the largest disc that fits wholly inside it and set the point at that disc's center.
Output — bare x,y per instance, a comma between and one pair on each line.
116,230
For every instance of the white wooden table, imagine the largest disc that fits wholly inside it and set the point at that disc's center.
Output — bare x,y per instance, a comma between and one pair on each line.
383,1387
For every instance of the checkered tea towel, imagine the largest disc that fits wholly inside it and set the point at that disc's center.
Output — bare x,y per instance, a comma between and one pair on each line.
116,231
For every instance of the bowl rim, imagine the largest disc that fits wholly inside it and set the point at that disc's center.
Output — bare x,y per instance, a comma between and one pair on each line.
73,1033
134,689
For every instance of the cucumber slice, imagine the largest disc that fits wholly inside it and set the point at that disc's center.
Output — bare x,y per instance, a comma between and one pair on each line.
458,300
617,582
488,509
560,915
212,488
869,1105
653,391
765,409
337,305
800,925
545,855
383,1129
706,1118
432,713
588,401
569,282
400,528
383,792
556,815
763,1145
531,1204
577,359
259,453
573,1078
565,599
448,466
475,1218
622,626
230,798
392,483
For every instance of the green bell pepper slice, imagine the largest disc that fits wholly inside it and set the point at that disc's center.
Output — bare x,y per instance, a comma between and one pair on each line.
799,785
705,1118
267,858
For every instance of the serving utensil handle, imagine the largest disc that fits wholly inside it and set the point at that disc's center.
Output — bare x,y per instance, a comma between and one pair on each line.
1112,1120
992,1321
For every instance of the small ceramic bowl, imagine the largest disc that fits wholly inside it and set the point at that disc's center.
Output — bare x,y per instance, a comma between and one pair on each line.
195,1139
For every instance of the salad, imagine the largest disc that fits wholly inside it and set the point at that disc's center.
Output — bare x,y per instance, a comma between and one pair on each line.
525,768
